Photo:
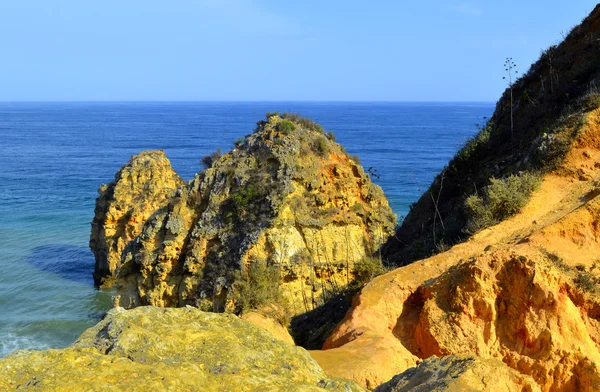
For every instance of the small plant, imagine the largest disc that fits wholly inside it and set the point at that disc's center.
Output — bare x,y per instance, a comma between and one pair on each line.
321,146
367,269
331,136
442,247
585,281
286,127
358,209
558,261
258,287
303,122
482,137
243,198
511,70
591,100
501,199
355,159
208,160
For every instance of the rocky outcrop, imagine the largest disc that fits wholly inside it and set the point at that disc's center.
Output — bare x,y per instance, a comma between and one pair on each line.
517,305
524,288
140,188
532,130
525,291
460,373
154,349
285,196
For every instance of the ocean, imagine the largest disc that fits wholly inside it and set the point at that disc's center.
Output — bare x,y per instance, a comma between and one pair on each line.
54,156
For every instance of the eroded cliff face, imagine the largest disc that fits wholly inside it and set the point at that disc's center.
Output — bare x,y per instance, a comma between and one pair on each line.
154,349
525,291
504,305
286,196
142,186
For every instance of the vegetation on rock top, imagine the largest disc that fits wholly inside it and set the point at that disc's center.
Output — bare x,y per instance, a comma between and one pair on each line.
550,104
286,218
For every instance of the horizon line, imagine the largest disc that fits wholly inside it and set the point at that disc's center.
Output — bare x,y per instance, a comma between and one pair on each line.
240,101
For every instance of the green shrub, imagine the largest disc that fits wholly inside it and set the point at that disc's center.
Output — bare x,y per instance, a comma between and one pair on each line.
331,136
244,197
442,247
208,160
558,261
321,146
479,215
358,208
499,200
472,144
355,159
366,269
585,281
258,287
286,127
304,122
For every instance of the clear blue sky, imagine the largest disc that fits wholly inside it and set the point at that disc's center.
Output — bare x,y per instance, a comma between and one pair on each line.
272,49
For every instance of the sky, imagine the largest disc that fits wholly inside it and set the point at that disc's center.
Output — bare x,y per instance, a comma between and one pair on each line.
272,50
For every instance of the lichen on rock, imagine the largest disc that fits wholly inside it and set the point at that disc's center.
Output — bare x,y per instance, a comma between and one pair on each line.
155,349
142,186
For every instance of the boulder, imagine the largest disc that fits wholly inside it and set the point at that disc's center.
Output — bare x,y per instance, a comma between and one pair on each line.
460,373
156,349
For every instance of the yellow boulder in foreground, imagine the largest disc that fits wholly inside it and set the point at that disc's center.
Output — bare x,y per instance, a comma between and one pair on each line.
182,349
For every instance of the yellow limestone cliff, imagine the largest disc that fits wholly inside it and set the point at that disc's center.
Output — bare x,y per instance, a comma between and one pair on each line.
142,186
285,196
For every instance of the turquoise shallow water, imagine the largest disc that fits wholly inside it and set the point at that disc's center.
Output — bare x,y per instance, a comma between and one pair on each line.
53,157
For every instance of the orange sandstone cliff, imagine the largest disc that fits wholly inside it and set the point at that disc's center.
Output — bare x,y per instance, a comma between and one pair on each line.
520,288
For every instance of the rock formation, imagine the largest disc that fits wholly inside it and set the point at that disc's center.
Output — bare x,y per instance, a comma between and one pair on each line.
515,304
141,187
285,196
524,290
460,373
516,299
154,349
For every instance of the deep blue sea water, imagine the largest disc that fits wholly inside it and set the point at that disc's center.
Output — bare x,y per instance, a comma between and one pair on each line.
53,157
